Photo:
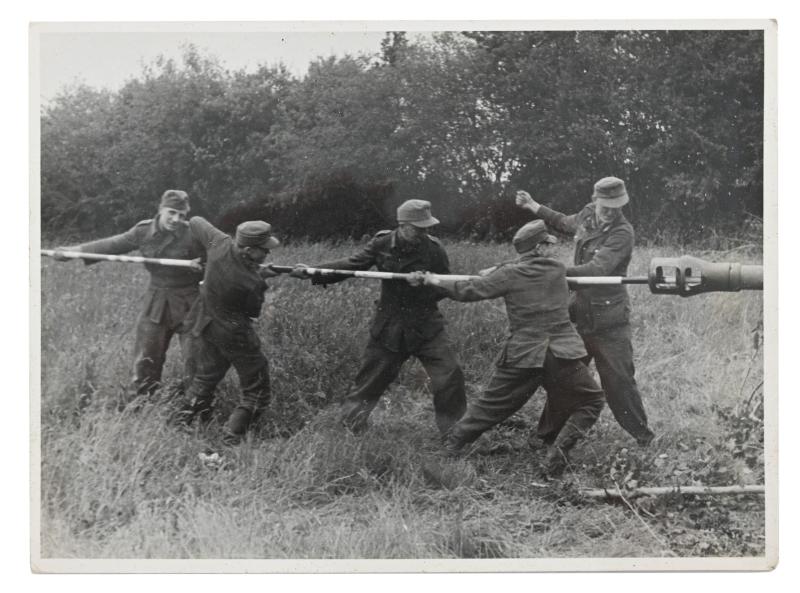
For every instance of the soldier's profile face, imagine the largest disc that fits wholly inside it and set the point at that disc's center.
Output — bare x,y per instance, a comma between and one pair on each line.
256,254
604,214
410,233
546,249
170,219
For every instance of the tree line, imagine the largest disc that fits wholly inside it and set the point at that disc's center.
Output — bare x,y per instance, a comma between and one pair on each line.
461,119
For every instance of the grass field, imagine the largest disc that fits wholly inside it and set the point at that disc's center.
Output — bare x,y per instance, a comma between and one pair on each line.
127,485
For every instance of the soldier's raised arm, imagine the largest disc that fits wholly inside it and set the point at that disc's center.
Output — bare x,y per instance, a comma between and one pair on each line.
563,223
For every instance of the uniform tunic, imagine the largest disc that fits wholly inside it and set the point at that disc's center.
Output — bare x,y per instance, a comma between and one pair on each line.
220,321
407,323
540,334
535,292
170,294
602,313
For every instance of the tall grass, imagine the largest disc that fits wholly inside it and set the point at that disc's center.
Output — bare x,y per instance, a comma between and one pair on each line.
128,485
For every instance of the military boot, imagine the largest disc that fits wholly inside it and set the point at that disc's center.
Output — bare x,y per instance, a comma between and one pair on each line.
236,426
452,445
556,461
199,409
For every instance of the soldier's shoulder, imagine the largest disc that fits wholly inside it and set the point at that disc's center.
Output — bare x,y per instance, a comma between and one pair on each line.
197,220
435,240
624,226
381,236
198,223
494,269
141,228
508,265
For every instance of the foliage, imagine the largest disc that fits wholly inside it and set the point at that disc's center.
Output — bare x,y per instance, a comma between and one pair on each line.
459,119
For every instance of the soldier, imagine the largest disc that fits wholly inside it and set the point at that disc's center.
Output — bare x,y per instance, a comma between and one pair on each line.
535,291
171,290
407,321
603,247
220,322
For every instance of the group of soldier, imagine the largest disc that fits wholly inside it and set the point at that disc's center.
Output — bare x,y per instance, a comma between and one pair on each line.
552,336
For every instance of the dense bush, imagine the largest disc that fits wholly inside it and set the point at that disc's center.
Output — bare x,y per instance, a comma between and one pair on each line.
460,120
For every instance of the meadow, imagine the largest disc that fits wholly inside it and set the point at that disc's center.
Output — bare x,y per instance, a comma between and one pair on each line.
129,485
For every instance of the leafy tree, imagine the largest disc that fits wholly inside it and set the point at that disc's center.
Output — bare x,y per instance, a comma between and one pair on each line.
459,119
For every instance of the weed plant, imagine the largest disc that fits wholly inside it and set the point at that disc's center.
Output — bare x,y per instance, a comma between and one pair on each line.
128,485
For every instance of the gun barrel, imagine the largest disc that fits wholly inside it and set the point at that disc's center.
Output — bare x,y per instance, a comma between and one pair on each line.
684,276
687,276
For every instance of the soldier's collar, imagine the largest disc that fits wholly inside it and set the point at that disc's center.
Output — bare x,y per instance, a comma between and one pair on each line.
157,228
591,223
398,243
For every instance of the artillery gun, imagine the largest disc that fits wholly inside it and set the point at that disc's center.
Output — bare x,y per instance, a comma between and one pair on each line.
684,276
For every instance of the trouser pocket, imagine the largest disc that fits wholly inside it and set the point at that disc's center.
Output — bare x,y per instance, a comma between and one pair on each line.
609,312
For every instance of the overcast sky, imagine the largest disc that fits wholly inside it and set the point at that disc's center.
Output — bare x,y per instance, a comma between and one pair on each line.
107,60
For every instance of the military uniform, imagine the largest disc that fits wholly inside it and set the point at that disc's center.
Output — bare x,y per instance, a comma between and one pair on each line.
535,291
169,296
220,321
407,323
601,313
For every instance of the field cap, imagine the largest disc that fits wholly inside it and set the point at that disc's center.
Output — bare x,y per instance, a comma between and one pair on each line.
416,212
256,233
610,192
175,199
530,235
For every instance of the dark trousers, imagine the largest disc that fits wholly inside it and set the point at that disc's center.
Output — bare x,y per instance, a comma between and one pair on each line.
568,415
150,352
213,359
381,366
613,356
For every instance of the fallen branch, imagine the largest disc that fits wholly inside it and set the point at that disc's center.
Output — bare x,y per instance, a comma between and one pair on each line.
658,490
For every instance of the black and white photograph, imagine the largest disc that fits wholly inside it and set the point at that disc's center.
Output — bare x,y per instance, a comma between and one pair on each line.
404,296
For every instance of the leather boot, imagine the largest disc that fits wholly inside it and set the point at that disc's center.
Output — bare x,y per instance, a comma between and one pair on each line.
236,426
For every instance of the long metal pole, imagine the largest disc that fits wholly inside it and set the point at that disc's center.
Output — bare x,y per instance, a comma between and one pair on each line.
183,263
582,280
683,276
364,273
128,259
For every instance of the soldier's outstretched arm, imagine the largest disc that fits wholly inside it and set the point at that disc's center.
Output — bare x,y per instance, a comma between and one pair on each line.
125,242
362,260
492,286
